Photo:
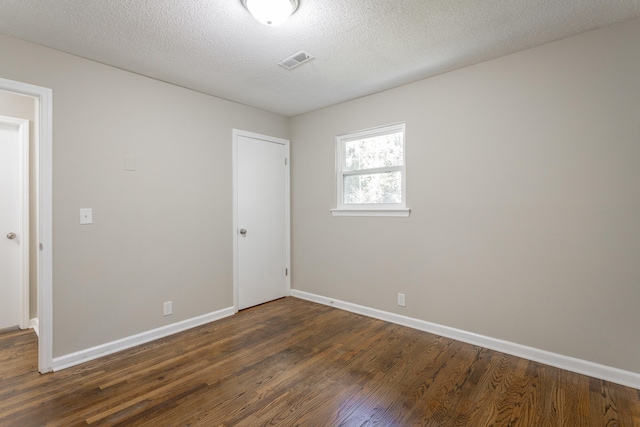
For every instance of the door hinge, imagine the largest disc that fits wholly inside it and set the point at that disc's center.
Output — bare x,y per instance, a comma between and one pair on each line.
286,271
285,161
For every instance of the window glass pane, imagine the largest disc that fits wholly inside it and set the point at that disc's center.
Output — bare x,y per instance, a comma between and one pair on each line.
373,188
374,152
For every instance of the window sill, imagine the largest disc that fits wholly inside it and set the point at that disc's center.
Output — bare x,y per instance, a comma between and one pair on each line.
403,213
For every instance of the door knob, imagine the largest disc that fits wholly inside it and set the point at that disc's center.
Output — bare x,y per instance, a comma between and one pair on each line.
243,232
11,236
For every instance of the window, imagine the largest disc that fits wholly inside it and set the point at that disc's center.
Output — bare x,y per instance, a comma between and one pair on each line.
370,173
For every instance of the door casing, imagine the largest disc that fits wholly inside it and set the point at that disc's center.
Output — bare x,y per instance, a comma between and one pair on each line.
236,135
44,189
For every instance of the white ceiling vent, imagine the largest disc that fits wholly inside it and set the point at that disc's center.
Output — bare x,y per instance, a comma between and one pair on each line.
294,60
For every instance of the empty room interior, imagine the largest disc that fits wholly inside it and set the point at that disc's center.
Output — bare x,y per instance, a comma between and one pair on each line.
360,213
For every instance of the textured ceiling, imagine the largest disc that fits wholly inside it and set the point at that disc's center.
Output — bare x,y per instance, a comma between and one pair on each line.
360,46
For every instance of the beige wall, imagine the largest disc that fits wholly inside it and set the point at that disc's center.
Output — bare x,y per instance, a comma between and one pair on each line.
23,107
523,176
161,233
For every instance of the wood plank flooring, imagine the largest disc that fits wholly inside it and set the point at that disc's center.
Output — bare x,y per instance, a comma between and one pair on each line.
294,363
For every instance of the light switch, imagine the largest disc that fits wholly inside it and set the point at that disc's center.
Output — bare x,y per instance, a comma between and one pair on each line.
86,216
130,163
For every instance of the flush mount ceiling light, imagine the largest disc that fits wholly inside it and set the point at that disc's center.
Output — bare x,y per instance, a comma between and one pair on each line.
271,12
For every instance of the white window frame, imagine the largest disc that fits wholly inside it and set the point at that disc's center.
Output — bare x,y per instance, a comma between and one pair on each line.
369,209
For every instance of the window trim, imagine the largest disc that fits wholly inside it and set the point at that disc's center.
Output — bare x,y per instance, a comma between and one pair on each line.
369,209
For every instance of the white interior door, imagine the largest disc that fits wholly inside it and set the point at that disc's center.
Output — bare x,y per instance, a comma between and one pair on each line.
261,178
14,142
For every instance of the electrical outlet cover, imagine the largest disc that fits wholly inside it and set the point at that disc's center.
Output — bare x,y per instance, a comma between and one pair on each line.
167,308
401,299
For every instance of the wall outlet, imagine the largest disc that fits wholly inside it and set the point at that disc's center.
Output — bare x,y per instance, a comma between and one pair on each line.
167,308
401,299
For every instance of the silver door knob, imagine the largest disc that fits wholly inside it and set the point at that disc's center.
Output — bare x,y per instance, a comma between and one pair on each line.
11,236
243,232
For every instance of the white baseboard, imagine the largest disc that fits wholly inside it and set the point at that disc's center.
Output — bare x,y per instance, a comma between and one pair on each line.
603,372
35,325
82,356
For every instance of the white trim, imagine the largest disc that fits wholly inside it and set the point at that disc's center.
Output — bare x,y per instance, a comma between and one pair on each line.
402,213
234,167
287,227
234,220
22,127
44,172
92,353
584,367
35,325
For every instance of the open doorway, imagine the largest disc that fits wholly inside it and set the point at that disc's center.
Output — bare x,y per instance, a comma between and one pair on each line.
15,213
15,96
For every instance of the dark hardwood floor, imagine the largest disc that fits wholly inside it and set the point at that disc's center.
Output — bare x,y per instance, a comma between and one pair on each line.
292,362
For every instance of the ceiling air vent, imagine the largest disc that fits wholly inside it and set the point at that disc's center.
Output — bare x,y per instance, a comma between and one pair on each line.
294,60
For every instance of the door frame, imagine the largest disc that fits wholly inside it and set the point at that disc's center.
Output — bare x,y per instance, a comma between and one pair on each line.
22,126
44,212
234,153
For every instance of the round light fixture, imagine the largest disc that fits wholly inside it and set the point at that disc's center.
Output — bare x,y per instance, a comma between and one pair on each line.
271,12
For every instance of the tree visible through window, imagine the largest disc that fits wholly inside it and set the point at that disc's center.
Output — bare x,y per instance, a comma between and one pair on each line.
371,169
367,182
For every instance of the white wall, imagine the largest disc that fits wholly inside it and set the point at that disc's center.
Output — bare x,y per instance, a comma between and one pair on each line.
163,232
523,176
